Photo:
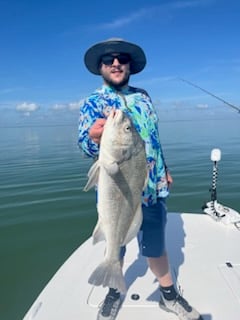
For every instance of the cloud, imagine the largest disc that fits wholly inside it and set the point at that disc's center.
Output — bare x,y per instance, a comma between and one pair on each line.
189,4
155,80
74,105
162,10
10,90
123,21
202,106
59,107
27,108
71,106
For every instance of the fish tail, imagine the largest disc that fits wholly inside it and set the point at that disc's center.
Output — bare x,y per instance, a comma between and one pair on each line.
110,275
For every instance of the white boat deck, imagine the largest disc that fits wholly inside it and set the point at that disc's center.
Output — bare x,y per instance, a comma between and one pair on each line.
204,257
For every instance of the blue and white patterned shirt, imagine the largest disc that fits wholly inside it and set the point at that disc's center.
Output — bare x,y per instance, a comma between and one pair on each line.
138,105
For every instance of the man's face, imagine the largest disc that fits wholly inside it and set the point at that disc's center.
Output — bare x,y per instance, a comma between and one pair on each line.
115,69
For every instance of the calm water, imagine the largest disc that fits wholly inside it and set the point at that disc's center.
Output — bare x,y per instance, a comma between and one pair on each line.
45,215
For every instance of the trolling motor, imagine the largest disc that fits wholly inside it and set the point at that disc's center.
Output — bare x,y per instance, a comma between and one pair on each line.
214,209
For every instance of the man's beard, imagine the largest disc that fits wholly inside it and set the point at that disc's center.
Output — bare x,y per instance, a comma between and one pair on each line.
118,85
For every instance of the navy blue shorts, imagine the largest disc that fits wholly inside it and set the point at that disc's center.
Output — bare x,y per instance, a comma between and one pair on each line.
151,237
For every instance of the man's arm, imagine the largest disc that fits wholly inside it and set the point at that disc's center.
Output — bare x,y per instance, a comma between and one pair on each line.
90,129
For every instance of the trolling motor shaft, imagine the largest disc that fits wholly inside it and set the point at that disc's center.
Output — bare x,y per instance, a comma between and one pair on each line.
217,211
215,157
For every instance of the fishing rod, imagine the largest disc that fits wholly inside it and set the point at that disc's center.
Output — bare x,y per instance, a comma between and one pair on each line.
211,94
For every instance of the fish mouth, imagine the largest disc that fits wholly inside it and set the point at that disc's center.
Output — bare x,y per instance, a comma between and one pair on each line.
116,115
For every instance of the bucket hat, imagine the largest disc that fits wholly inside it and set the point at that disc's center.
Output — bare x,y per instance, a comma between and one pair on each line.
92,57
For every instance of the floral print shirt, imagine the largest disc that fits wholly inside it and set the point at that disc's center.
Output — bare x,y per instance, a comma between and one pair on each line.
138,105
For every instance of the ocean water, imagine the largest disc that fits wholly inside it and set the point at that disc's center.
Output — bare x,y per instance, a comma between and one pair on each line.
45,215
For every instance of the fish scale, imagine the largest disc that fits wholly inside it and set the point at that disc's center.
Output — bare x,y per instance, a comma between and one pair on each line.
121,175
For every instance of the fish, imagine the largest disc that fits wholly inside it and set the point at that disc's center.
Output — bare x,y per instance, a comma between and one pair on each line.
121,174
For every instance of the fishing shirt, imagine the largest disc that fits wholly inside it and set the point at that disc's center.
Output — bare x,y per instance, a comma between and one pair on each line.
137,104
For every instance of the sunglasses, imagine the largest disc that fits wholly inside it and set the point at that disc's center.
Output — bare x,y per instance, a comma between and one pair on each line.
122,59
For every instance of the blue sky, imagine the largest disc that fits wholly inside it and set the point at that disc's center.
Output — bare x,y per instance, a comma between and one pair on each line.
42,75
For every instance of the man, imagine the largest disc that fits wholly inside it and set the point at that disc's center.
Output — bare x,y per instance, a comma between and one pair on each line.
115,60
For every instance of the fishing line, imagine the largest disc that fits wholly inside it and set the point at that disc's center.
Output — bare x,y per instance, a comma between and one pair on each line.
211,94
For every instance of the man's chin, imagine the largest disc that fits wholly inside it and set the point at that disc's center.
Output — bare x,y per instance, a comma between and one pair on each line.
117,84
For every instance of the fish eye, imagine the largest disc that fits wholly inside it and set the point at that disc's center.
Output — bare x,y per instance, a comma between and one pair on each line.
127,128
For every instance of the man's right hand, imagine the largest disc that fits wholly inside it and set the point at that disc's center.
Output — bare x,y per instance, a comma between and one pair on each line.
96,130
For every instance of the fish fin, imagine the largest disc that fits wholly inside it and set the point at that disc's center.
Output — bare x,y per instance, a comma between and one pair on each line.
98,234
109,274
111,168
134,227
93,174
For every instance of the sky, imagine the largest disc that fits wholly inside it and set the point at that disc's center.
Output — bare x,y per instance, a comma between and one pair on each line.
42,44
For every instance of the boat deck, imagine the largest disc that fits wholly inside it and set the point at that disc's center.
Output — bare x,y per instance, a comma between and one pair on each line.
205,260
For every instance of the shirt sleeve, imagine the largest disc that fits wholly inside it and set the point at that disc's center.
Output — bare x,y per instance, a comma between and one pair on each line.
88,115
156,121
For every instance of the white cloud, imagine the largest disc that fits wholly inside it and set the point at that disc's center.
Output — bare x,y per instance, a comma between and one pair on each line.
189,3
161,11
59,107
75,105
155,80
123,21
71,106
10,90
27,108
202,106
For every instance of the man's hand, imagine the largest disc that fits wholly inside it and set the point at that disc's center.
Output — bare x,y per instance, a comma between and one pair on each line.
95,132
169,179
